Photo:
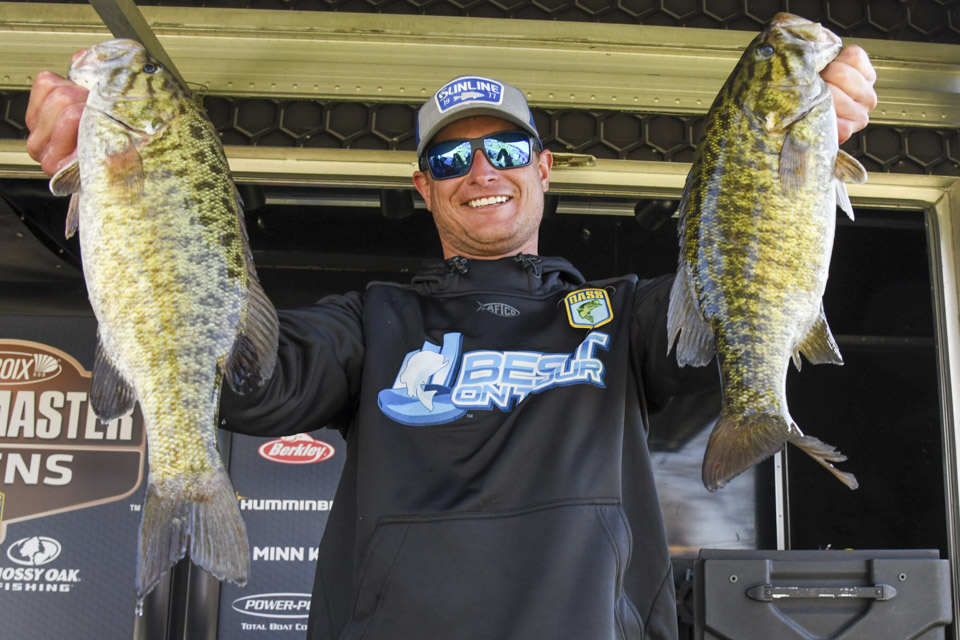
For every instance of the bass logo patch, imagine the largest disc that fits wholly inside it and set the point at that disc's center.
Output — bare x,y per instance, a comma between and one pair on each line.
588,308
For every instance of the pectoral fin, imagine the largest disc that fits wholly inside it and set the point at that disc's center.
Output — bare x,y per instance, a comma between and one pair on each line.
793,163
818,346
67,180
126,169
695,346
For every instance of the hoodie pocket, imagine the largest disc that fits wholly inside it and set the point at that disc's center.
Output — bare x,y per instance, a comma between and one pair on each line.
547,572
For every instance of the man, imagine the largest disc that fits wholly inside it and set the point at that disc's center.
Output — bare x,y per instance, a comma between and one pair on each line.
497,483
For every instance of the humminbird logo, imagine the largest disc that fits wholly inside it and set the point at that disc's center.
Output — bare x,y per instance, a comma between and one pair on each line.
18,368
497,309
53,448
252,504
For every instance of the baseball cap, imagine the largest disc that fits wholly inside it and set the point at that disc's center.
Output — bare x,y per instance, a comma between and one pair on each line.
472,96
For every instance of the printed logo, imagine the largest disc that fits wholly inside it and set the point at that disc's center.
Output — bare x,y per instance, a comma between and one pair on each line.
298,449
17,368
469,89
34,551
274,605
588,308
497,309
436,385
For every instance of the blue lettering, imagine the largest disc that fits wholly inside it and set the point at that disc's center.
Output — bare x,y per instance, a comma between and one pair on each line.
519,367
480,366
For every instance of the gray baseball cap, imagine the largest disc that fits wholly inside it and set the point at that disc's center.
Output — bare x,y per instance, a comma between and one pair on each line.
472,96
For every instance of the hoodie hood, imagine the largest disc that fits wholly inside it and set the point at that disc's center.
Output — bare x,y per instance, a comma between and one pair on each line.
522,273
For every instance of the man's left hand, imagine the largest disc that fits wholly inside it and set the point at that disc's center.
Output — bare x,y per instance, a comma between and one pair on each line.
850,78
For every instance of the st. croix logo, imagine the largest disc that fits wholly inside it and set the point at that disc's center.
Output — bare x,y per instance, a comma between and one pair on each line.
588,308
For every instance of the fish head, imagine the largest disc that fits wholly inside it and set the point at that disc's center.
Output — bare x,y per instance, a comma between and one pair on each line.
778,77
128,85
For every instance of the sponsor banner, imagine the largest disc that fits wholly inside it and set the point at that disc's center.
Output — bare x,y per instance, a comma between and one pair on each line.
55,455
68,488
285,507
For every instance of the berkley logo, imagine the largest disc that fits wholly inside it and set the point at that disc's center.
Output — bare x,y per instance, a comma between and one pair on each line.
34,551
298,449
18,368
274,605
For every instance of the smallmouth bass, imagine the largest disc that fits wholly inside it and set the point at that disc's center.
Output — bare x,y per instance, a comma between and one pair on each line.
757,220
172,283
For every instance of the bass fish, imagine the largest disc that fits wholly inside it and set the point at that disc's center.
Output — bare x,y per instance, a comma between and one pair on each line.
756,229
172,283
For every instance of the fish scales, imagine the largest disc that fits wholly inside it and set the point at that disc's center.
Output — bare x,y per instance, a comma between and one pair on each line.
171,280
756,231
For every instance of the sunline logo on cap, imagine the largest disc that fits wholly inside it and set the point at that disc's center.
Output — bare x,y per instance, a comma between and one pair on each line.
469,89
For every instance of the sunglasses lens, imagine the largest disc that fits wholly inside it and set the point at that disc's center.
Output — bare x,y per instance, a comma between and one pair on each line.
508,150
449,159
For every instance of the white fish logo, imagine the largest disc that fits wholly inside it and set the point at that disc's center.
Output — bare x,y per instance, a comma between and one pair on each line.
421,367
468,95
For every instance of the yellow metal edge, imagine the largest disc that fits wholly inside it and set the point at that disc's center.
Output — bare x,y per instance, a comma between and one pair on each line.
372,57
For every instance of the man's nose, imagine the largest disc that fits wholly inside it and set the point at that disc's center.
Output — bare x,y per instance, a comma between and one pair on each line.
481,170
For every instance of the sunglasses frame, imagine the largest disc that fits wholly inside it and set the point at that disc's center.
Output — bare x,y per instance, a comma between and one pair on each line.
478,144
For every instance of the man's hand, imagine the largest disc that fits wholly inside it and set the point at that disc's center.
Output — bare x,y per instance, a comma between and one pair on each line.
53,117
850,78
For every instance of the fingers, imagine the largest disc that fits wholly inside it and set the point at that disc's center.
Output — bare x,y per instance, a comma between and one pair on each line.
53,116
850,78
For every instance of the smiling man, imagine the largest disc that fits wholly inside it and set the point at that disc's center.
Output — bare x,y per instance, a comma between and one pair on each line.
498,484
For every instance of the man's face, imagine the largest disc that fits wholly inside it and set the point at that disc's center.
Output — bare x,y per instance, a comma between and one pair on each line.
487,213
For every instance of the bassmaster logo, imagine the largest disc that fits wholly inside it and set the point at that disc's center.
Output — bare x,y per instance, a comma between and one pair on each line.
298,449
18,368
53,448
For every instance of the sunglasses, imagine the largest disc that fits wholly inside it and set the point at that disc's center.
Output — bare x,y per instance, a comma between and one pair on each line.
504,150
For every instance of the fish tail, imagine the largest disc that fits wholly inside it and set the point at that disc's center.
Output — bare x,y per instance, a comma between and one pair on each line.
740,441
825,454
205,520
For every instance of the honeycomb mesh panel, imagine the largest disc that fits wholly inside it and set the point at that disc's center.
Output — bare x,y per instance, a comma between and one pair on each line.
617,135
909,20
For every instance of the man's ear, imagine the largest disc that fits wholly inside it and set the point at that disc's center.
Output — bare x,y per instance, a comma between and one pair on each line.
422,183
545,164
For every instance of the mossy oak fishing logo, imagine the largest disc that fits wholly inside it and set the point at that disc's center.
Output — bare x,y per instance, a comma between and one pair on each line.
437,384
588,308
55,455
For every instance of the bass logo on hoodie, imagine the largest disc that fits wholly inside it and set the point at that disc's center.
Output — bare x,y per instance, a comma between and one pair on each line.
588,308
437,384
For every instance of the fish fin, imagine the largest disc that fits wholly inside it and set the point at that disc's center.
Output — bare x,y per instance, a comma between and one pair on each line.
818,346
111,396
825,454
843,199
126,169
211,527
73,216
67,180
695,346
739,441
254,352
426,398
793,163
849,168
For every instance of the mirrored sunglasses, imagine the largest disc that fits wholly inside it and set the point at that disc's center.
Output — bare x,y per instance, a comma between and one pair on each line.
504,150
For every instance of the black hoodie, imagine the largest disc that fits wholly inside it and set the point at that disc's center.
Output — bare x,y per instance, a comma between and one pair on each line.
497,484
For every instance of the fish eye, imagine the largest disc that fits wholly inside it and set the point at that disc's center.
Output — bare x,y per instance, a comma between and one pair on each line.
151,68
765,50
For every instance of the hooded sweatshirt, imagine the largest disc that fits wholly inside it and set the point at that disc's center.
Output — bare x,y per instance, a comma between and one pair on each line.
497,483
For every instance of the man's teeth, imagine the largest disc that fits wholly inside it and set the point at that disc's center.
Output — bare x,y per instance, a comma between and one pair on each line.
483,202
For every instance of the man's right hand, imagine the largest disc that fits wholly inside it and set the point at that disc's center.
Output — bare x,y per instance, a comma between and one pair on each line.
53,117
